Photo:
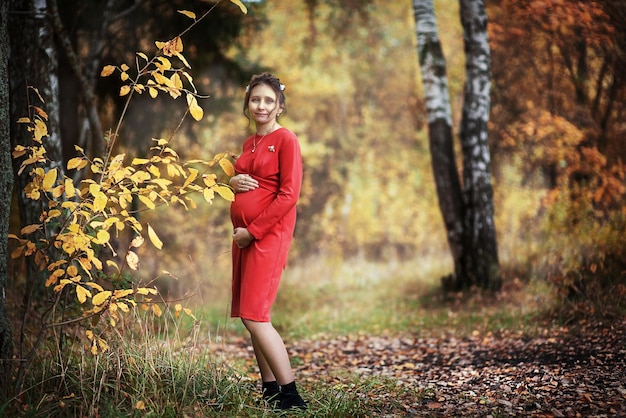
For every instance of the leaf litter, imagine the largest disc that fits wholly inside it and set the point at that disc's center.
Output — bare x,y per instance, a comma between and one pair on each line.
560,373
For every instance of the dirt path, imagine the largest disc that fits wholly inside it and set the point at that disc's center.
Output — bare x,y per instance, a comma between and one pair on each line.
556,375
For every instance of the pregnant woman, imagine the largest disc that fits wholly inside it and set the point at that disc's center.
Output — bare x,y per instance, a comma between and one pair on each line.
267,186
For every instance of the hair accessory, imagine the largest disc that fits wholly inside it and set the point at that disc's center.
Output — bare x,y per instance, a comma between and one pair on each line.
282,87
248,88
271,148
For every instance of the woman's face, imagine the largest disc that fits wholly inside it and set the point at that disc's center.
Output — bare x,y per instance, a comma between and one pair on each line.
263,104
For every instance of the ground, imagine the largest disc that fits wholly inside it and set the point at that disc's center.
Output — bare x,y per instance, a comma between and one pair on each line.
564,373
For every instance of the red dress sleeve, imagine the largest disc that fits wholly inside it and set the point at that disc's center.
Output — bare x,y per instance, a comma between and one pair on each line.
290,181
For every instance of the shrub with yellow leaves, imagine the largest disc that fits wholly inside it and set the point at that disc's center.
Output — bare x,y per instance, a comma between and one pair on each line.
73,242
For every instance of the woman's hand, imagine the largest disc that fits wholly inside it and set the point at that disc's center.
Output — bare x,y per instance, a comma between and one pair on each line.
242,237
243,183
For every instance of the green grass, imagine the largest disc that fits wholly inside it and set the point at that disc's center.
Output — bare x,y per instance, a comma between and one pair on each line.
322,298
162,367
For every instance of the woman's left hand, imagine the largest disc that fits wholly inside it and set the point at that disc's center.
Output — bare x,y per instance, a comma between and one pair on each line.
242,237
243,183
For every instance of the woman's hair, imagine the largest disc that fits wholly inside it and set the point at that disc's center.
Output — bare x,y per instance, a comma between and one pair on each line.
273,82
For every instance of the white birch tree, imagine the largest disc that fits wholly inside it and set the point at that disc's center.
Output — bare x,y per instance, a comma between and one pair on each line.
467,207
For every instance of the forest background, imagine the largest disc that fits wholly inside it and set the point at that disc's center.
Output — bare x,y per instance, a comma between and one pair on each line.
355,102
368,213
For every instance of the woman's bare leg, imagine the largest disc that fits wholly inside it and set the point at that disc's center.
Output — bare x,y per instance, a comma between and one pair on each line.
270,352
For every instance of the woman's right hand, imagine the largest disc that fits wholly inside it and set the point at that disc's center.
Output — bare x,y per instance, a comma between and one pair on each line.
243,183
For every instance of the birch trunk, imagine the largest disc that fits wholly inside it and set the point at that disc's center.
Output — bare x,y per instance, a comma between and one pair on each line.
467,211
433,70
482,251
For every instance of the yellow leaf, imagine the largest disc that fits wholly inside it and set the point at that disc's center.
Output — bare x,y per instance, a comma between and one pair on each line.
157,311
139,177
184,60
101,297
137,242
76,163
18,151
124,67
153,92
70,191
164,183
54,277
124,76
107,70
29,229
154,170
89,334
163,63
49,179
146,291
139,161
96,286
209,194
140,405
174,93
102,237
113,264
146,201
41,130
57,191
132,260
53,214
142,55
176,81
82,293
161,79
188,312
99,202
210,180
103,344
124,90
243,8
187,13
119,294
154,238
178,44
227,166
195,110
226,193
72,271
193,173
123,307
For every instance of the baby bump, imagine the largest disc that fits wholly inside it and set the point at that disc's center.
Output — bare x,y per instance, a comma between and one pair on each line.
248,205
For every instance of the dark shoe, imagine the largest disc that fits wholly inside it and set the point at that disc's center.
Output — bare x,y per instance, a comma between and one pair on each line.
271,393
290,398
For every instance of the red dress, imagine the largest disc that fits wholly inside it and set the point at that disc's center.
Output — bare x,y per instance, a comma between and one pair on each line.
269,214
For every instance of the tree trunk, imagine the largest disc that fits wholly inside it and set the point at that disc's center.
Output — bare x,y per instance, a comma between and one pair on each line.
433,70
6,187
33,63
467,212
482,260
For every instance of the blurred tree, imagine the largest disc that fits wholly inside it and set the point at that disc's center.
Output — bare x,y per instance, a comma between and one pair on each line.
33,74
468,211
574,54
6,189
